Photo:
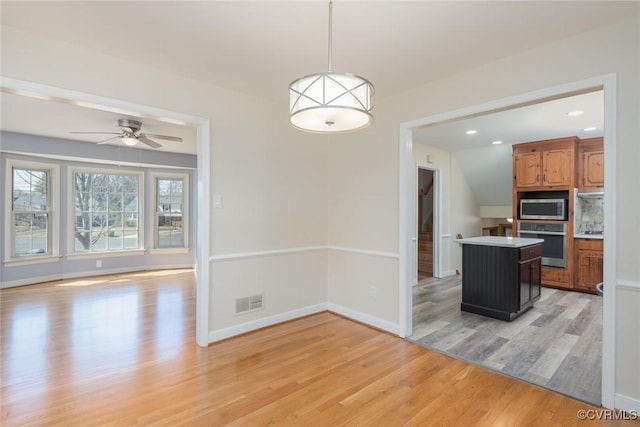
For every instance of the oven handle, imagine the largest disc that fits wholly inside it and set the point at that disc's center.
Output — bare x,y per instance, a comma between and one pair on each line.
549,233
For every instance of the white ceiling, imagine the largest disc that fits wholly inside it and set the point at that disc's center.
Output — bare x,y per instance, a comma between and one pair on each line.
488,167
260,47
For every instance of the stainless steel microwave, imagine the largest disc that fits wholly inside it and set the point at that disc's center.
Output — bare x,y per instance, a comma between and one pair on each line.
549,209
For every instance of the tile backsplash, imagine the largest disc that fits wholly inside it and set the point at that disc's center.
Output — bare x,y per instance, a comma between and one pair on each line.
589,214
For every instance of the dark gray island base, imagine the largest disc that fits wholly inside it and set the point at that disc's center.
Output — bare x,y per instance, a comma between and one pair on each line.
500,275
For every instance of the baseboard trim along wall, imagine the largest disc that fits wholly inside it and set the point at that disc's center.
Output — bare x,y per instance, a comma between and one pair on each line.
90,273
367,319
243,328
627,404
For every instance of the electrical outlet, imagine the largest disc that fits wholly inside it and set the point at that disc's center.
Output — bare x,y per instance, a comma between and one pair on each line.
372,291
99,263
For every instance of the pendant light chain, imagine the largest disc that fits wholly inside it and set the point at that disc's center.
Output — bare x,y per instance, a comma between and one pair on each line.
330,32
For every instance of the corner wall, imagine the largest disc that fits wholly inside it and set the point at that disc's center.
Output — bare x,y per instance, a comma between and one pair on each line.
611,49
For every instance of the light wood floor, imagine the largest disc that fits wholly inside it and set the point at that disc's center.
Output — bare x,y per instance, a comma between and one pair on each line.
120,350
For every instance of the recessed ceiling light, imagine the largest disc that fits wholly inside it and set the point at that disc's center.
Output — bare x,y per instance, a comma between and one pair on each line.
471,132
496,142
589,129
575,113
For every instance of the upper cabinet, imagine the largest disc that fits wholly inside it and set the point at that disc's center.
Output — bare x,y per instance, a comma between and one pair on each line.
591,163
545,165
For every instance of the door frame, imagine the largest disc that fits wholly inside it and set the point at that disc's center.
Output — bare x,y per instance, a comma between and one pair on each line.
437,219
608,84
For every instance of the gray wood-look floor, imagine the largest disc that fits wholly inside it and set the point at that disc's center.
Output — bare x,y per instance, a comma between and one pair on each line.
557,344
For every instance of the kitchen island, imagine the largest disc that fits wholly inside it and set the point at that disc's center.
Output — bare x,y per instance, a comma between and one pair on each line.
500,275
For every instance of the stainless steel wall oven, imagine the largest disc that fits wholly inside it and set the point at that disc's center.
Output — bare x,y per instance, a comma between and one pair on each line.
554,247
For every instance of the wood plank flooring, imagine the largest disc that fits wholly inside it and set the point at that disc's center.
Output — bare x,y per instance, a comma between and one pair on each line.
120,350
557,344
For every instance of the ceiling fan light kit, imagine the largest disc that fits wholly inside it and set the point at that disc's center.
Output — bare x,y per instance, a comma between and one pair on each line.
131,135
331,102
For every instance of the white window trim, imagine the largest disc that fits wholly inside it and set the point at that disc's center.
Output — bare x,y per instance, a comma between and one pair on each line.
186,201
72,212
54,225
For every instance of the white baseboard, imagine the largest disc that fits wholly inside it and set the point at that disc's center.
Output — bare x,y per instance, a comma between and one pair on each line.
376,322
627,404
447,274
252,325
630,285
90,273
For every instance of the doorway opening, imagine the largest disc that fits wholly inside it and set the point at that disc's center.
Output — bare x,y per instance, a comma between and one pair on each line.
425,215
606,84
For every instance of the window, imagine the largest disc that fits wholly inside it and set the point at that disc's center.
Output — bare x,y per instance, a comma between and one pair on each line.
171,220
107,211
32,215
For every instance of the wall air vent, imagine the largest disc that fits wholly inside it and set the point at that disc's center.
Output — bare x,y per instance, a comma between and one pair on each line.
249,304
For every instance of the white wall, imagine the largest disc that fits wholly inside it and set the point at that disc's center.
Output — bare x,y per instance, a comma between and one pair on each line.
272,178
613,49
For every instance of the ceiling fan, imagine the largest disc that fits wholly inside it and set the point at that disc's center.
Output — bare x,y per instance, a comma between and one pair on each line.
131,135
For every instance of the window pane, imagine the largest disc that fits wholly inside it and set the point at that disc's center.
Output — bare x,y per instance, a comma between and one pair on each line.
115,202
99,241
115,239
101,202
130,239
169,221
30,189
31,203
99,183
31,234
131,202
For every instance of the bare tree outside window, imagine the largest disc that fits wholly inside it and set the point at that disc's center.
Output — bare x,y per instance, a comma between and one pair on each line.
106,211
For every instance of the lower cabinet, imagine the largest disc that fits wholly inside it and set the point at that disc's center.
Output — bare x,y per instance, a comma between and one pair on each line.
589,260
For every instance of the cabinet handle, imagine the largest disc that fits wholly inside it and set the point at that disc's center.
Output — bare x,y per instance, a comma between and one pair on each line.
538,178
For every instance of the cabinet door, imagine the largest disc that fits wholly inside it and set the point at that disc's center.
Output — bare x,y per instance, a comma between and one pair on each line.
589,269
557,167
529,281
593,172
527,169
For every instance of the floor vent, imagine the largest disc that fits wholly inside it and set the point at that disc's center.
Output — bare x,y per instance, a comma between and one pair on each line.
248,304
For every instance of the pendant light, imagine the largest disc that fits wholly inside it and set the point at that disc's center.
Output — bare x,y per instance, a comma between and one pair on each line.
331,102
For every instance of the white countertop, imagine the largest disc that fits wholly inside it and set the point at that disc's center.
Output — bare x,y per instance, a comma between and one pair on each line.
507,242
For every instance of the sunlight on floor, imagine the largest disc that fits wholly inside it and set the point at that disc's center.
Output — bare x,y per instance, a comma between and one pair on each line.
121,278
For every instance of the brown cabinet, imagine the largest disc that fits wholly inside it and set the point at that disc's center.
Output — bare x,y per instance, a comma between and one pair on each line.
527,169
589,260
545,165
557,167
591,163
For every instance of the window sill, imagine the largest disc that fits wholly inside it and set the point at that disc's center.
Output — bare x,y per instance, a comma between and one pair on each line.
133,252
17,262
162,251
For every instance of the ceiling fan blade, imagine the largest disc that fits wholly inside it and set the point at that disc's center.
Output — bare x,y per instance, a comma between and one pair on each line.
168,138
150,143
100,133
108,139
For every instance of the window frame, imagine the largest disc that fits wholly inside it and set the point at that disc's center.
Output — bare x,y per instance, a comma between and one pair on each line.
53,204
186,200
71,216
